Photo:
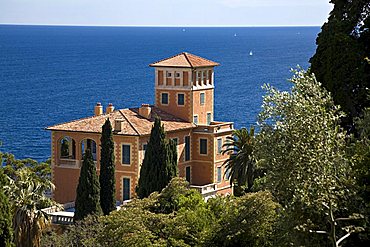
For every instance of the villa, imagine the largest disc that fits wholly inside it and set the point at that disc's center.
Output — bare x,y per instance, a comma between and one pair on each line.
184,100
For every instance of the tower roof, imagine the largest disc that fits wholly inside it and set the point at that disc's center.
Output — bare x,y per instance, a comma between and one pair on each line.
184,60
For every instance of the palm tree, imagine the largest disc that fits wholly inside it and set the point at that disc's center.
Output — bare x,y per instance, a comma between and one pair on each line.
26,194
240,164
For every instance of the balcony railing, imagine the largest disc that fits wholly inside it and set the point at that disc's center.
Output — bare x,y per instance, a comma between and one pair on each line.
67,162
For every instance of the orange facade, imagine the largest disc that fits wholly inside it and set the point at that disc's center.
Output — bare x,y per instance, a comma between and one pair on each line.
184,99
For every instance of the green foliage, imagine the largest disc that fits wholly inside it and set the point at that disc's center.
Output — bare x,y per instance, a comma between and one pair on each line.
160,162
107,170
6,232
304,154
241,162
11,165
82,233
88,190
26,195
340,58
245,221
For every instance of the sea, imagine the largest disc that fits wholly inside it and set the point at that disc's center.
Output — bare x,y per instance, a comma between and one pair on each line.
54,74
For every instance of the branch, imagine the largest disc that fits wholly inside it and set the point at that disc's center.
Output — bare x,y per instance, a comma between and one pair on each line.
343,238
320,232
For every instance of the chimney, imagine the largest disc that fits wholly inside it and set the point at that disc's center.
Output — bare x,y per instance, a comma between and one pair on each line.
98,110
145,110
110,108
118,124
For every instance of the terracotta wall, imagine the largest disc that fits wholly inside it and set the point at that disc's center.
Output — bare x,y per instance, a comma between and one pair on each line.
183,112
202,110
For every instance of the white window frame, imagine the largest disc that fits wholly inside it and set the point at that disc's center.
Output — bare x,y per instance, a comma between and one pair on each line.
202,138
196,116
219,149
200,98
168,98
128,144
177,99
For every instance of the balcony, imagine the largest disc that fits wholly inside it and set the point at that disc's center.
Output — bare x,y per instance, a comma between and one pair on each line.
215,127
68,162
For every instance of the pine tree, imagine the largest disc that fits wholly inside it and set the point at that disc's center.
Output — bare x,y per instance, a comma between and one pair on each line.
5,215
88,189
160,162
107,170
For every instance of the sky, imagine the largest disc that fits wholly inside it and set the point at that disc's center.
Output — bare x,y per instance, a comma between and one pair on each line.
166,12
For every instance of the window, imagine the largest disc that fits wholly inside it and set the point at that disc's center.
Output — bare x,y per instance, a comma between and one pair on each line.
126,155
165,98
168,74
145,146
203,146
202,98
209,118
187,148
195,119
181,99
187,173
219,175
219,145
177,75
126,188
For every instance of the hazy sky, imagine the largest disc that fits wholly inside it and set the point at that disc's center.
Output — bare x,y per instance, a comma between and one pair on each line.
166,12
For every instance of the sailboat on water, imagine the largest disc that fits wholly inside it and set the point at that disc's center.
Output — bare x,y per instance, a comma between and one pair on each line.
250,53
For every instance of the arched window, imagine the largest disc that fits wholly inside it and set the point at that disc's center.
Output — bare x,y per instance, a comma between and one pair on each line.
88,144
67,148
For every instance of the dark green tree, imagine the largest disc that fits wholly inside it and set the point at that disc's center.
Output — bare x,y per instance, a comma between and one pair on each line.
107,170
160,162
88,189
340,60
5,214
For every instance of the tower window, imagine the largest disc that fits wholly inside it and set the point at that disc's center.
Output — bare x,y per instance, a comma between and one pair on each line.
164,98
195,119
181,99
209,118
202,98
168,74
177,75
203,146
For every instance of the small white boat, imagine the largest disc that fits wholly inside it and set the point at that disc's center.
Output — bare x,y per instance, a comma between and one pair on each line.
235,35
250,53
183,30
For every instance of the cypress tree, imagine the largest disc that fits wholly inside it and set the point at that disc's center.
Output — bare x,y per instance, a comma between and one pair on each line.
160,162
107,170
88,189
5,214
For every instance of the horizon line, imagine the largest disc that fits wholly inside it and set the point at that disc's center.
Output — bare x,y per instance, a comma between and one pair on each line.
179,26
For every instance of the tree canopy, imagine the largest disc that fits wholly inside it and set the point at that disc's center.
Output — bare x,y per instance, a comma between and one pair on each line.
340,60
160,162
304,153
88,190
107,170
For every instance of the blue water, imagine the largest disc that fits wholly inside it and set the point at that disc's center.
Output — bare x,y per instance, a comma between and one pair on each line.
50,74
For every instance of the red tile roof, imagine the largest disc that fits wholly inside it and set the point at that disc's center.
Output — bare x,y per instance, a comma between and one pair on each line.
132,122
185,60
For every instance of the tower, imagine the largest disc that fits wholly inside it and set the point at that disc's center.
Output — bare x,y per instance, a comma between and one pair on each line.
184,87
